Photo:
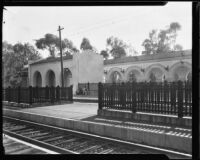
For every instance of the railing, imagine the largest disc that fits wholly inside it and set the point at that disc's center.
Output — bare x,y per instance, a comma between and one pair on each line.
37,94
173,98
89,89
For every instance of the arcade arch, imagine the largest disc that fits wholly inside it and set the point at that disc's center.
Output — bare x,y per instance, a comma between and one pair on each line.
37,79
181,71
50,78
155,73
189,76
67,76
114,75
133,74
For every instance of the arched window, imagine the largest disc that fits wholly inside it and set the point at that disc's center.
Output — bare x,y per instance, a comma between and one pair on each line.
67,77
189,77
181,73
155,75
116,78
152,77
37,79
132,77
50,79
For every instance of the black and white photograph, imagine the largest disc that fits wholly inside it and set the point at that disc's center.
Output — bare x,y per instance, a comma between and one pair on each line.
97,80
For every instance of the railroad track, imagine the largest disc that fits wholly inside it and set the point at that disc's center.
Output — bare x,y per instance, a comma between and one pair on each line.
66,141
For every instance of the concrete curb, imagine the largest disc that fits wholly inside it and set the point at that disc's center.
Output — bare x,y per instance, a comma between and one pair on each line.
85,100
25,105
182,144
158,119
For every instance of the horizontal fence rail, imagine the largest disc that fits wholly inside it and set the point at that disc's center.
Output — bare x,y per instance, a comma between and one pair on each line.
174,98
32,95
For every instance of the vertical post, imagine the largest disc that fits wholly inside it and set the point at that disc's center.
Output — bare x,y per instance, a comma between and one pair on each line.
36,96
122,97
133,97
112,92
18,89
30,95
46,93
172,96
71,93
61,60
180,99
100,95
52,94
88,86
165,97
58,93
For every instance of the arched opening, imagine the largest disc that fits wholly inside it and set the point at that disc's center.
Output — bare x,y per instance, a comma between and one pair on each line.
104,79
50,79
116,77
37,79
189,77
181,73
133,76
67,75
156,75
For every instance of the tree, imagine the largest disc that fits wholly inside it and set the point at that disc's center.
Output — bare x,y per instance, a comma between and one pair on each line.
131,50
174,27
49,42
117,47
178,47
68,47
52,44
105,54
85,45
162,41
14,59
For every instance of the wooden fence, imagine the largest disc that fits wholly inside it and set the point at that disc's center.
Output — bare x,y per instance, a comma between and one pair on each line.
37,94
173,98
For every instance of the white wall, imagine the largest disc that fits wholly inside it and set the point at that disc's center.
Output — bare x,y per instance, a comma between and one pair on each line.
85,67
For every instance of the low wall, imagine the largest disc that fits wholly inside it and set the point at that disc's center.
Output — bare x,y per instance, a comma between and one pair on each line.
182,144
14,104
159,119
25,105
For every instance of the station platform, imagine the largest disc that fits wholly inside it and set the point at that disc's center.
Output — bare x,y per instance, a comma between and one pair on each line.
83,117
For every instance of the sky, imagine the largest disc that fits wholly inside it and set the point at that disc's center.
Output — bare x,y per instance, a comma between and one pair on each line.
132,24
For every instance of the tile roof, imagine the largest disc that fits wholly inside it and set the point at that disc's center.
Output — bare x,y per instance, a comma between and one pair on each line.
148,57
51,59
123,59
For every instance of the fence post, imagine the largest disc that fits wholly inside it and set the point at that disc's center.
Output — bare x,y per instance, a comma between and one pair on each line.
30,95
71,93
46,93
122,95
58,93
88,86
112,92
52,94
100,95
36,93
180,99
18,95
134,97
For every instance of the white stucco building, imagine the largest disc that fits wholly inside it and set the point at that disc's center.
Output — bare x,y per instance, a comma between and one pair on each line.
90,67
